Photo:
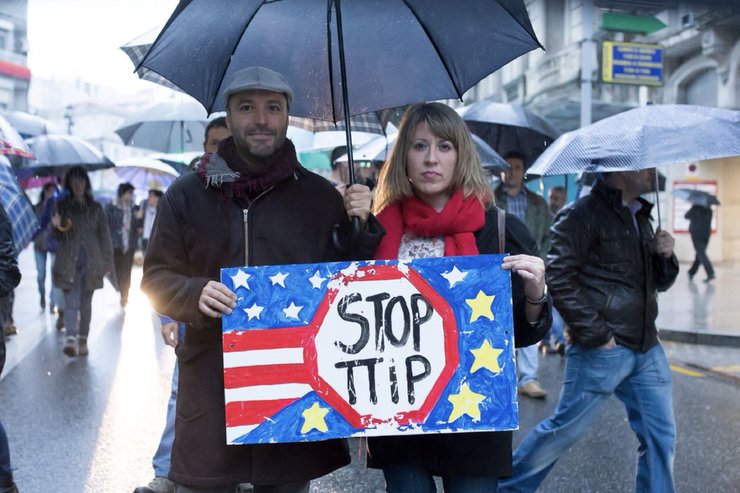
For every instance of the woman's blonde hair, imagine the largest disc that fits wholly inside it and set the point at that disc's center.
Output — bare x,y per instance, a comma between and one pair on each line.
445,123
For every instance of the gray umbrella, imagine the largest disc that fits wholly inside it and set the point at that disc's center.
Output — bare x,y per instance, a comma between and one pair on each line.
29,125
696,197
646,137
509,127
55,154
170,127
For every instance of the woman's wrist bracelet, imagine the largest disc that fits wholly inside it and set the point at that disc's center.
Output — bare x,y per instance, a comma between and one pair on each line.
540,301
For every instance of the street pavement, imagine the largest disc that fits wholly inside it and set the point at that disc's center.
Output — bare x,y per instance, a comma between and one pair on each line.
91,424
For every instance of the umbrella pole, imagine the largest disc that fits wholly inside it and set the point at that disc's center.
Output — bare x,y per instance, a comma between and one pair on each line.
345,91
657,198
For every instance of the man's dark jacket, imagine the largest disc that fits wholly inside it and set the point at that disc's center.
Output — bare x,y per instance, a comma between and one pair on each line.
700,222
198,231
604,277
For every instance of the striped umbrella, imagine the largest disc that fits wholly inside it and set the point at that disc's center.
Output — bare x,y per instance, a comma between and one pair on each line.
8,149
19,208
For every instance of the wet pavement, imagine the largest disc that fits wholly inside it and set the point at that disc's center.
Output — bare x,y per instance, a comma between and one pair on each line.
92,424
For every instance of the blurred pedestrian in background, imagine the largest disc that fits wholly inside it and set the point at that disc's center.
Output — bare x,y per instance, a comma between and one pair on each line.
148,211
10,276
611,315
84,256
44,243
433,199
124,233
556,199
172,333
555,340
700,228
515,198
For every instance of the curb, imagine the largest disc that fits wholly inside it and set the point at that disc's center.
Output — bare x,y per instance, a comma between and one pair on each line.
708,338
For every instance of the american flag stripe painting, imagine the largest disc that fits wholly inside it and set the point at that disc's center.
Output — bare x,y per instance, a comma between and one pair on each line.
369,348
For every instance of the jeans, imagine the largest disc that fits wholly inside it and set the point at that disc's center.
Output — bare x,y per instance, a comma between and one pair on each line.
163,455
6,472
41,257
701,258
403,478
642,381
527,362
78,302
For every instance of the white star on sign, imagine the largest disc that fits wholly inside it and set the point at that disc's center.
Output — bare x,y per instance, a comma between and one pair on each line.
278,278
254,311
454,276
316,280
292,310
240,279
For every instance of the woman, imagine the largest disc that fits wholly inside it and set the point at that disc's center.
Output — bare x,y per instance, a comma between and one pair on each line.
84,255
433,200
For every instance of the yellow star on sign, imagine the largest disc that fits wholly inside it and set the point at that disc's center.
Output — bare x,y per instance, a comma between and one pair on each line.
465,402
486,356
481,306
314,418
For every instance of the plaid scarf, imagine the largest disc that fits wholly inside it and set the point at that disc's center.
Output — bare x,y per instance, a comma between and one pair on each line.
230,174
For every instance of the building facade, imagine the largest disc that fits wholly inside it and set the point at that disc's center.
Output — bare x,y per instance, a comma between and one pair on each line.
699,43
15,76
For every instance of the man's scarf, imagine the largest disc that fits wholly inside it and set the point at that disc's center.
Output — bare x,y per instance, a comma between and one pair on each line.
230,174
456,222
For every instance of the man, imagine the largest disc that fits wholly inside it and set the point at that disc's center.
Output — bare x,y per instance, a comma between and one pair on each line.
556,199
216,131
515,198
148,211
10,277
700,228
606,266
249,204
124,235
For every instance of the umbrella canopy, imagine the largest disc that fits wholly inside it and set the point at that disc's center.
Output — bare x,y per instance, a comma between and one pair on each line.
19,208
309,134
646,137
7,149
378,149
696,197
509,127
56,153
396,51
142,171
11,135
29,125
169,127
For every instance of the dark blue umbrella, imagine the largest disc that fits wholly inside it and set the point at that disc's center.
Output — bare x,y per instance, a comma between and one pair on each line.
696,197
56,153
342,58
509,127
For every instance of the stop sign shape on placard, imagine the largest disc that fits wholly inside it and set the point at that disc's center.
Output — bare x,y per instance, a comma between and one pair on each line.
386,346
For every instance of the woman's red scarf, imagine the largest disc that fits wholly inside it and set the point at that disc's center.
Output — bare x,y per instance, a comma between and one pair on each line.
457,222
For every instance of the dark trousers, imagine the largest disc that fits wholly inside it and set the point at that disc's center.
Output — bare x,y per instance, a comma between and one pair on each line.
6,474
701,258
123,262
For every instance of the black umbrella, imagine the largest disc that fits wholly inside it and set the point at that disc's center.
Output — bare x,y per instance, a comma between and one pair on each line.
342,58
509,127
696,197
56,153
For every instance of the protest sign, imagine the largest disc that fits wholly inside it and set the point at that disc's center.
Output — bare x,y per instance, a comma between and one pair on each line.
320,351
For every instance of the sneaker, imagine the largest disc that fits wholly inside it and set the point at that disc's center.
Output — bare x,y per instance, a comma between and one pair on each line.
9,329
532,389
157,485
70,347
82,346
709,279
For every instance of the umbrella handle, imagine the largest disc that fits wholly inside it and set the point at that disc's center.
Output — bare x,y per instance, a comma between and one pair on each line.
342,242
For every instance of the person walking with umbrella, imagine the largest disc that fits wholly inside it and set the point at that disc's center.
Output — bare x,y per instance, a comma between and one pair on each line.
433,200
10,277
84,255
605,268
700,229
251,203
124,231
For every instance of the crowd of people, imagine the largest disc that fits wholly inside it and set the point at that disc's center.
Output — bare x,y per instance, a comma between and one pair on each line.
250,202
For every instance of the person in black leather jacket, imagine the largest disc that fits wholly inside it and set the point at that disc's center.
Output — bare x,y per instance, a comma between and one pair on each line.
605,268
10,276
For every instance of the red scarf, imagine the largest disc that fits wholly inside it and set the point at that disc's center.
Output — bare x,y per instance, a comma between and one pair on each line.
457,222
